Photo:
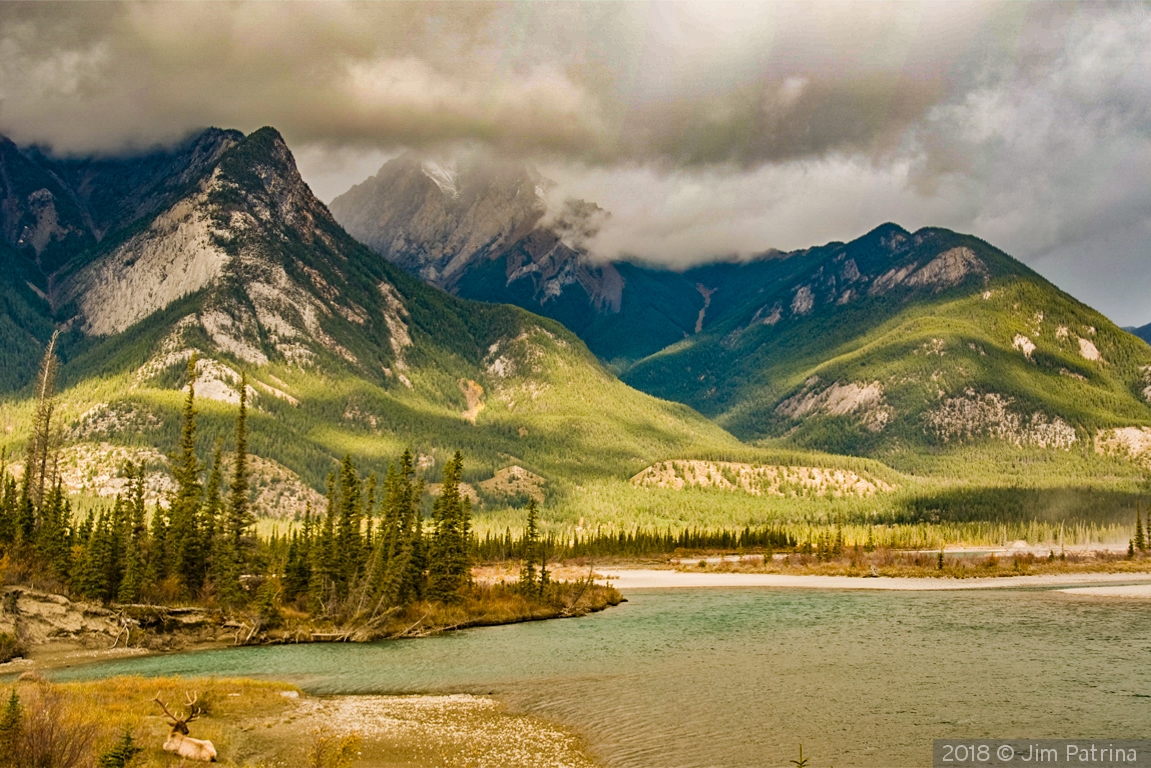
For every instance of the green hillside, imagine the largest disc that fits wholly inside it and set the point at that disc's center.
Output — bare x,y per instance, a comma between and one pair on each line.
899,342
345,353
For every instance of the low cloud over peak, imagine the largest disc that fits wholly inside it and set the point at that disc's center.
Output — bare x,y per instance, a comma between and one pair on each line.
706,129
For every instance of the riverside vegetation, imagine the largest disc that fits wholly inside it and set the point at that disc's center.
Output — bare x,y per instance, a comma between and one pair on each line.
369,566
114,723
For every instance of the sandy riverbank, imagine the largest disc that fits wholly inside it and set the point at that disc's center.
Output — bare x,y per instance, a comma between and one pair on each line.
260,722
627,580
1139,591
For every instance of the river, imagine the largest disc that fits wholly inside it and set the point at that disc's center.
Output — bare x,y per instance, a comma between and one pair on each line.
741,677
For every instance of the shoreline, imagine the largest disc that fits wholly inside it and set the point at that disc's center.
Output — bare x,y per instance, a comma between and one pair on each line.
640,579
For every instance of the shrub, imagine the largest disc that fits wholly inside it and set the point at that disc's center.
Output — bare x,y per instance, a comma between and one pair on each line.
10,647
45,733
331,751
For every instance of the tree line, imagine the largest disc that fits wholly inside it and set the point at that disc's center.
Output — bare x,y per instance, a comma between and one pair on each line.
367,551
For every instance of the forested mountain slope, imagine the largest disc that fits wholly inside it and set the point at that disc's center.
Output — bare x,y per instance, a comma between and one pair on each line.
904,341
235,260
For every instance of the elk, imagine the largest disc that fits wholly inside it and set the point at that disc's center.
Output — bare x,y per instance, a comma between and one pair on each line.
179,741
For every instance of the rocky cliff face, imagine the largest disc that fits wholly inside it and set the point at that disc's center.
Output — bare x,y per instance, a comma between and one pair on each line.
227,255
446,222
436,219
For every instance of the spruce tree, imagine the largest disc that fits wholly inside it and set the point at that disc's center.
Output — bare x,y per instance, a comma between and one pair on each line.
238,515
323,554
53,539
185,542
7,505
11,728
212,528
134,533
448,562
528,578
122,754
1140,542
349,517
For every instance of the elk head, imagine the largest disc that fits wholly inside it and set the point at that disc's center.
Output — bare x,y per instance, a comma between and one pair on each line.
178,740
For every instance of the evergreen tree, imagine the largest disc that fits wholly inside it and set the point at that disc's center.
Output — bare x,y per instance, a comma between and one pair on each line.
7,505
323,553
185,537
1140,543
122,754
53,539
448,561
90,577
11,727
133,534
212,528
349,518
529,582
238,514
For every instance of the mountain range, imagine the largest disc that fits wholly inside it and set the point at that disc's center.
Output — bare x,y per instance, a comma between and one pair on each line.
894,340
444,306
220,249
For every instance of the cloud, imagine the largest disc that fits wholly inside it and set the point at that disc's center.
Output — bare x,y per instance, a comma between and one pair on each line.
706,129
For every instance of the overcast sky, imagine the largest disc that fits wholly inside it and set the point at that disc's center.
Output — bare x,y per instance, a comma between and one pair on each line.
706,130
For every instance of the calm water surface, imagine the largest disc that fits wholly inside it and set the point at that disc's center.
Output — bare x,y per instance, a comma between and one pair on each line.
740,677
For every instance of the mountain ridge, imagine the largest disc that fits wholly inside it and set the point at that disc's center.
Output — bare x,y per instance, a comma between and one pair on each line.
742,341
344,352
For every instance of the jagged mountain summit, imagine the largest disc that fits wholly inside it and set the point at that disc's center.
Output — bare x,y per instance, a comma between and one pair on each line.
483,230
218,248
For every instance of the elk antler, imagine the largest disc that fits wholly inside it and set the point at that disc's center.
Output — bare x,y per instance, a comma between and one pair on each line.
171,717
193,710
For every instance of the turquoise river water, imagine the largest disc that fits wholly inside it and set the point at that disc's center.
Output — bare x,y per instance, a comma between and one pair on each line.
740,677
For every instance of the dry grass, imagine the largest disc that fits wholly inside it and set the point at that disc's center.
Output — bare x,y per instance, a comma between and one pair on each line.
884,562
259,724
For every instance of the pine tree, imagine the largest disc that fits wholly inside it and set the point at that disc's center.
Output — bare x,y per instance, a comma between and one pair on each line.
122,754
134,537
238,515
185,542
1140,542
323,554
529,581
212,528
7,505
11,727
349,517
54,539
448,563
